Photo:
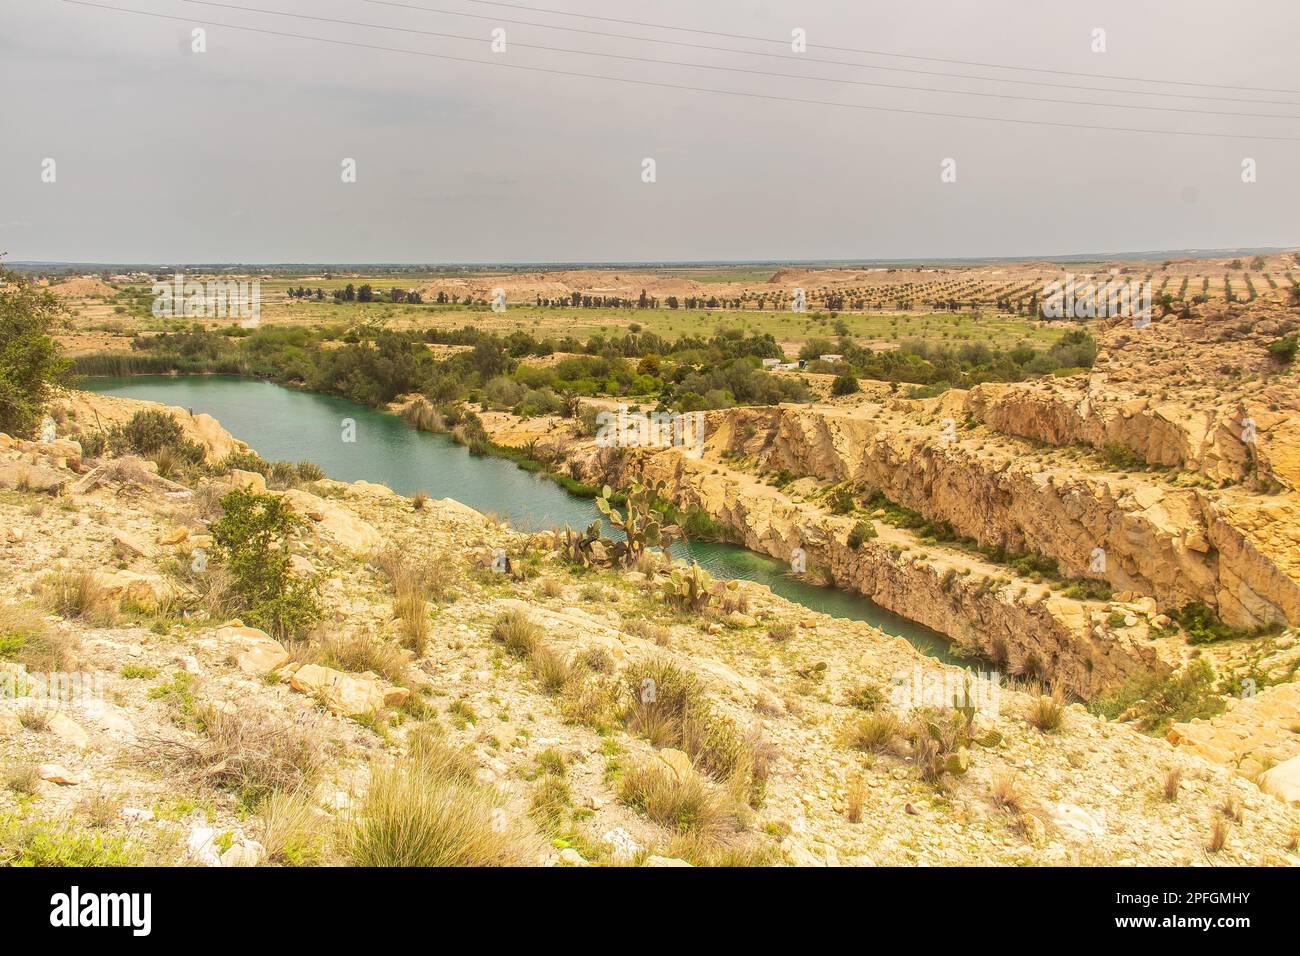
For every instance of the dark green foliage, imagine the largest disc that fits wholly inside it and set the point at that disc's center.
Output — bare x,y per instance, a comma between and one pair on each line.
30,364
252,540
845,385
1284,349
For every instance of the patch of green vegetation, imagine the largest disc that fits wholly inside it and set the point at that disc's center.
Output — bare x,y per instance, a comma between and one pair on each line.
35,842
1202,625
1158,701
862,532
252,540
1284,349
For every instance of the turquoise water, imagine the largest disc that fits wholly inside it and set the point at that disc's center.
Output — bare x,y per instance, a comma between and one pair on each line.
284,424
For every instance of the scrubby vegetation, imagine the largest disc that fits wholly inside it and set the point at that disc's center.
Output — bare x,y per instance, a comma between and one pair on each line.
31,366
251,539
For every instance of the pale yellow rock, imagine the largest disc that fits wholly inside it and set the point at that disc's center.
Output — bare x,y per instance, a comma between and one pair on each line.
65,728
173,537
664,861
258,653
335,521
146,589
1283,781
247,853
676,761
248,480
343,694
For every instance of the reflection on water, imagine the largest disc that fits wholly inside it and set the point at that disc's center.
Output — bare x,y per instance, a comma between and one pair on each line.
284,424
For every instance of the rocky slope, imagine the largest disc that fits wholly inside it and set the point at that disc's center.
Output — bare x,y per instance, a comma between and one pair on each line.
134,769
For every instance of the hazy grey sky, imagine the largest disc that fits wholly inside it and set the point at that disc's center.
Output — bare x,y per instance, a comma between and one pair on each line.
165,155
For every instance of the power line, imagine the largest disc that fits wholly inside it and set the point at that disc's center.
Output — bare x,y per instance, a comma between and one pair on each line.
803,58
731,69
843,49
690,89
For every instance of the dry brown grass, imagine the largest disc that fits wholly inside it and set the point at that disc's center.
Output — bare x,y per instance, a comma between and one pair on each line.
1173,781
856,799
79,595
291,829
551,668
687,805
412,610
517,633
648,631
1232,809
99,809
248,752
360,653
1218,835
422,811
873,733
36,719
433,578
1047,712
26,639
22,778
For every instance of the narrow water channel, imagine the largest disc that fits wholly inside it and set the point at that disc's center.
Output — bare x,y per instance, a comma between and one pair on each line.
285,424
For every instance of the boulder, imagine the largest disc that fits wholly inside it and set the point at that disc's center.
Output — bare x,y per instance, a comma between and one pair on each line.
677,762
250,481
22,475
257,653
1283,781
336,521
65,728
144,589
343,694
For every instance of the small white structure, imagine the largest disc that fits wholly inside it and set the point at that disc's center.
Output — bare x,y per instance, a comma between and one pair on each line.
831,358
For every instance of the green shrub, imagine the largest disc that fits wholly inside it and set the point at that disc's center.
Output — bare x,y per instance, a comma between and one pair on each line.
31,366
53,843
845,385
862,532
252,540
1284,349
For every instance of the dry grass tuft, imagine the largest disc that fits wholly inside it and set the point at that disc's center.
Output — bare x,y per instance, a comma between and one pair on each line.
516,631
654,633
1173,781
1218,835
687,805
22,778
874,733
1047,712
79,595
359,653
250,753
291,829
36,719
26,639
1232,809
856,798
421,811
552,669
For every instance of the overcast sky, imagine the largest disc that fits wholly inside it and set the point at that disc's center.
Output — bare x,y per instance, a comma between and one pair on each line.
166,155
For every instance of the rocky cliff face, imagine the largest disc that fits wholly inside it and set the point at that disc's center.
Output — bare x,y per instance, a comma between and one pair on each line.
305,725
1167,473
